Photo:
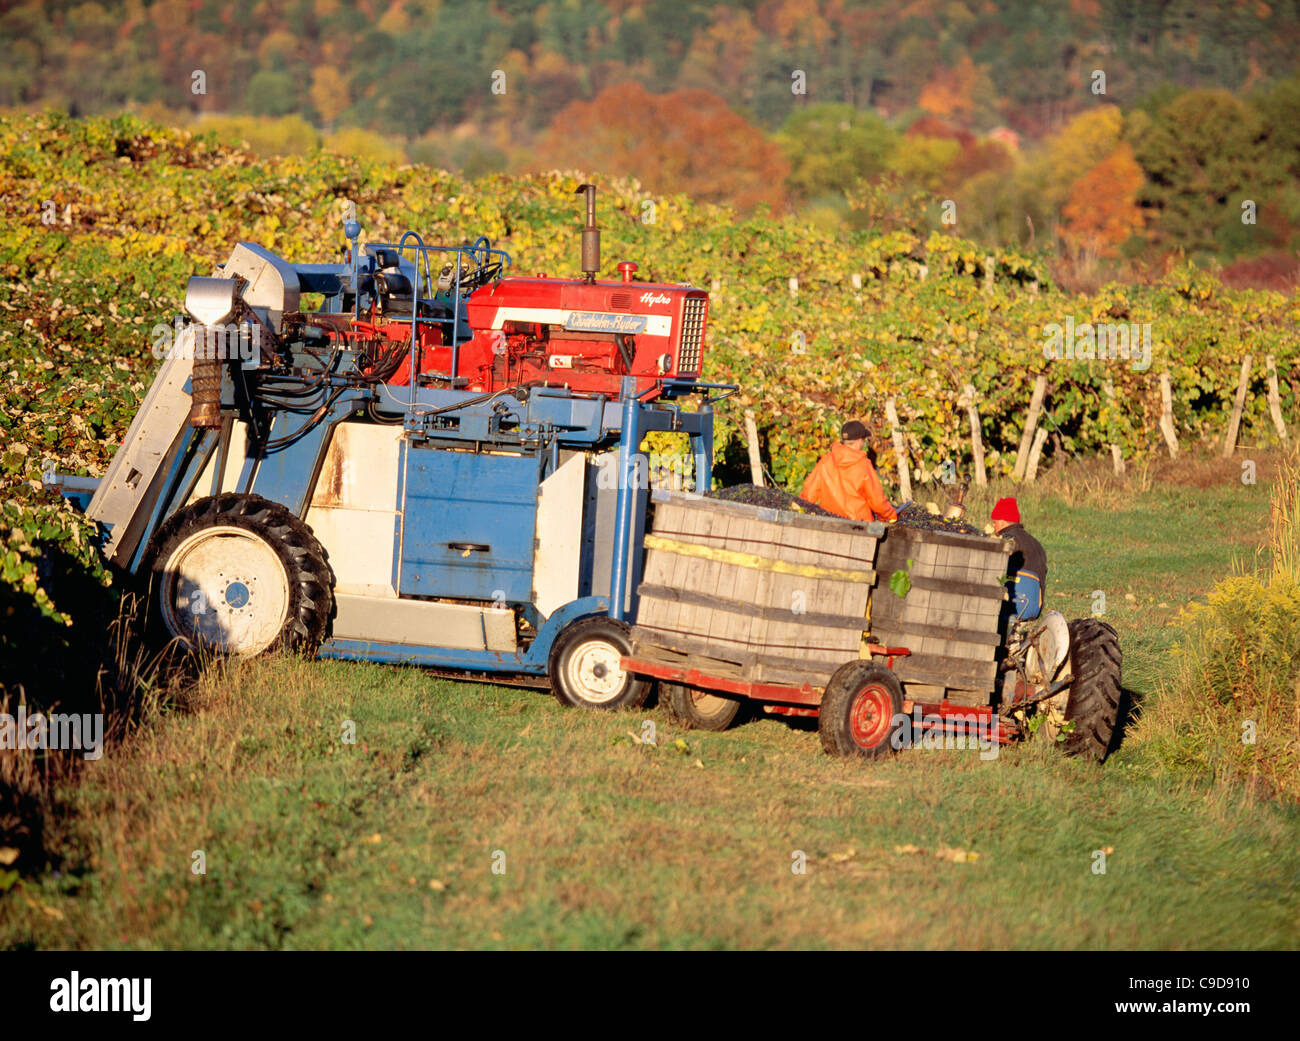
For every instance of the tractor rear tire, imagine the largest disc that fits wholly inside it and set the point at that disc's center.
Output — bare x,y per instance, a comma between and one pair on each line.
585,671
239,575
697,709
860,711
1094,703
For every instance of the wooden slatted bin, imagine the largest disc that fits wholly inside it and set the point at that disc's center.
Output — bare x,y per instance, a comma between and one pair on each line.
753,593
950,616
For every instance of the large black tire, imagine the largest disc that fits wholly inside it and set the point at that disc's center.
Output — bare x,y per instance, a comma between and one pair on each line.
585,671
239,575
1094,703
860,711
697,709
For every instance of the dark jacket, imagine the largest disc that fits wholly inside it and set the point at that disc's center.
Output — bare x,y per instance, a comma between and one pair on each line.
1027,554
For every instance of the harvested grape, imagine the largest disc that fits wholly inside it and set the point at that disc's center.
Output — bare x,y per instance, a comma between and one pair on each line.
771,498
913,515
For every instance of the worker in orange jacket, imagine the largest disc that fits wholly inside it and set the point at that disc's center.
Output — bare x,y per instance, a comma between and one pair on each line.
845,482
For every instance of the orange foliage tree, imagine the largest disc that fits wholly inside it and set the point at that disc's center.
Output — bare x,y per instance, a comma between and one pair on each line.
960,91
1102,212
687,141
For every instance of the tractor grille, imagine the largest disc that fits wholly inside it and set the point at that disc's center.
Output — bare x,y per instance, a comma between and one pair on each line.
689,346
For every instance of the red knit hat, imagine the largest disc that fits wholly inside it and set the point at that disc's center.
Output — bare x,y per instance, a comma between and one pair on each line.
1007,510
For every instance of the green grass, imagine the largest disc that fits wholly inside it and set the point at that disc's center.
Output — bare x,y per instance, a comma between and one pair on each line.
390,842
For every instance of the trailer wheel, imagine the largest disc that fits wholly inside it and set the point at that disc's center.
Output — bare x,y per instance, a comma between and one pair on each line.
698,709
860,711
1094,703
585,670
239,575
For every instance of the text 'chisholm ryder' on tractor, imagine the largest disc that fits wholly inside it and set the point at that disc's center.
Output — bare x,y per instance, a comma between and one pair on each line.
413,458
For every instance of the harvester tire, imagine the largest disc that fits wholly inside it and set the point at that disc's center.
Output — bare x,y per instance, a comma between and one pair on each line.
697,709
585,671
860,711
1094,703
238,575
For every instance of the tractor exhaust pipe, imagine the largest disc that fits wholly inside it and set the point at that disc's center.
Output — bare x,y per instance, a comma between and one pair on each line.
590,234
205,383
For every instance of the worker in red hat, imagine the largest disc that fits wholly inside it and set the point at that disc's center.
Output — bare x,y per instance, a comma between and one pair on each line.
845,482
1028,564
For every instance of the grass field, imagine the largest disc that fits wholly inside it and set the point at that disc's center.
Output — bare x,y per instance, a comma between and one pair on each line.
468,815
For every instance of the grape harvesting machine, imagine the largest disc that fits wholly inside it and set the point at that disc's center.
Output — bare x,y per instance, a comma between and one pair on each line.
415,457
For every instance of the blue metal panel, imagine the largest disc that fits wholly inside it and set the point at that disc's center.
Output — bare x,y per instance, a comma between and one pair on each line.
288,476
702,445
468,520
442,657
629,442
539,651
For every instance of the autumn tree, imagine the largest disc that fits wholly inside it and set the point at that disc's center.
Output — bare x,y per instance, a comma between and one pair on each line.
688,141
830,147
925,161
1201,154
1103,210
962,91
1068,155
329,92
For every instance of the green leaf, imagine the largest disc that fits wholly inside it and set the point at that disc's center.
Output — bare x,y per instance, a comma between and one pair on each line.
900,582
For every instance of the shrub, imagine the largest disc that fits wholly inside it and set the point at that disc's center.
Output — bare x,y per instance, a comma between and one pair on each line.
1232,708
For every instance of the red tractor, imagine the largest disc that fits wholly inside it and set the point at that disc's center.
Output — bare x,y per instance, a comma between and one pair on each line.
572,333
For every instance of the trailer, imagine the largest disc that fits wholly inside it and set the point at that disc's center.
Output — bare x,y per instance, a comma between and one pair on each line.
884,633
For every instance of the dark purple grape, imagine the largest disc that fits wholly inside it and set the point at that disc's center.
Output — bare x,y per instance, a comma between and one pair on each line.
771,498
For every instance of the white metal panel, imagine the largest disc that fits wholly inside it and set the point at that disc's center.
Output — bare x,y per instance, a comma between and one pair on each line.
424,623
360,470
558,552
360,547
354,508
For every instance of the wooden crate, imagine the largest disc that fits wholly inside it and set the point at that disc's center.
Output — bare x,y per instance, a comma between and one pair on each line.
950,617
764,595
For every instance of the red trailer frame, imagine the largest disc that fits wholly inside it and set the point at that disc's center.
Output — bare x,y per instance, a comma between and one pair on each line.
787,700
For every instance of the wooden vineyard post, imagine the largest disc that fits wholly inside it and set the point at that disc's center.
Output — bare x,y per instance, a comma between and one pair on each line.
1230,441
1274,400
1027,438
1167,416
900,450
755,460
1037,450
976,438
1116,455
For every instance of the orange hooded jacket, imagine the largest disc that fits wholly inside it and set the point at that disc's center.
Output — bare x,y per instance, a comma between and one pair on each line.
845,482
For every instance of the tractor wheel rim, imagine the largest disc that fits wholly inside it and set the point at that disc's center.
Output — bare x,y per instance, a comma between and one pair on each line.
870,716
595,673
226,589
708,704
